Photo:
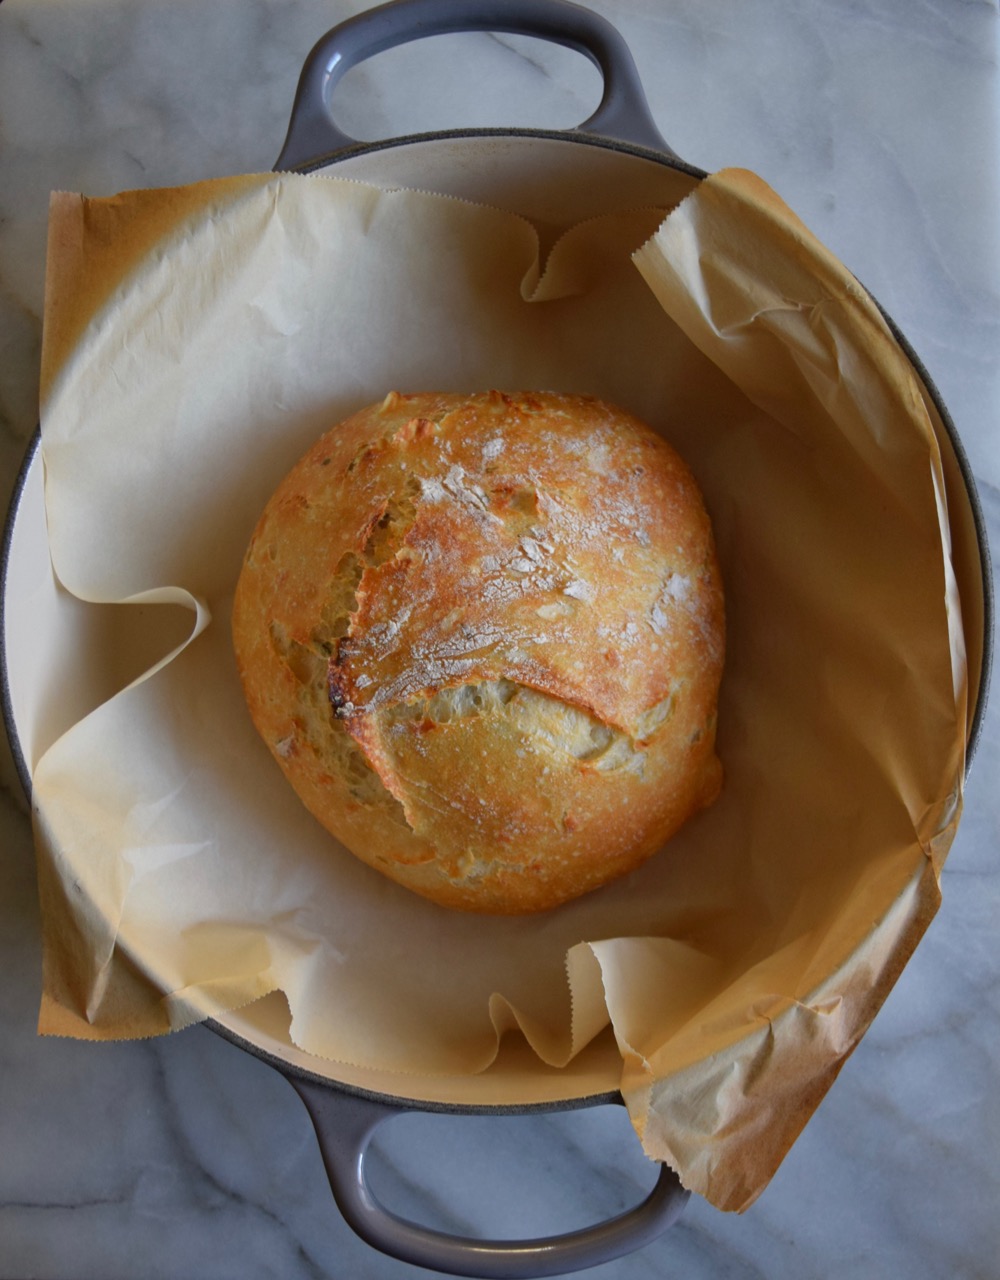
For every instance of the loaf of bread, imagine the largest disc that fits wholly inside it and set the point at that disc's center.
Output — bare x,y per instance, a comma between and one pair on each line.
483,637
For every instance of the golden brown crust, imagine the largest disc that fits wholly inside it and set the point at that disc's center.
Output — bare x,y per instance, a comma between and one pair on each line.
483,637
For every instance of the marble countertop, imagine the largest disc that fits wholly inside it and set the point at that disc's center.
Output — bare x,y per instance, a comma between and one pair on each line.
877,121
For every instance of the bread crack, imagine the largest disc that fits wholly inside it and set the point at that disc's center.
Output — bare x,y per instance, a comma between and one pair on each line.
548,725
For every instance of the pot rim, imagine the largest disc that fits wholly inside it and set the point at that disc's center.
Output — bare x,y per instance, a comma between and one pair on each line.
32,457
579,136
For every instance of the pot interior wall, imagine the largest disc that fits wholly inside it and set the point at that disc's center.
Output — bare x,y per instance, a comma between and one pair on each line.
554,181
64,657
517,1080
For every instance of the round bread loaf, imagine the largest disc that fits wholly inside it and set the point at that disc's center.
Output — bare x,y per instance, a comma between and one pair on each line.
483,637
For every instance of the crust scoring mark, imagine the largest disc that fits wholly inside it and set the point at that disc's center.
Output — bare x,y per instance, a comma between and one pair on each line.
551,726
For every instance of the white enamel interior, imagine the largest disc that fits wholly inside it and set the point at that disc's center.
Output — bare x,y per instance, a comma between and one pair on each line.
64,658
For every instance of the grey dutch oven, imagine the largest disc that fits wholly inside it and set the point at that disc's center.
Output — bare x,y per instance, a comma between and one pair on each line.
614,160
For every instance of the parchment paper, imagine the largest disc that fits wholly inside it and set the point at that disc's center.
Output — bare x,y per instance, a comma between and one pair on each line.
196,341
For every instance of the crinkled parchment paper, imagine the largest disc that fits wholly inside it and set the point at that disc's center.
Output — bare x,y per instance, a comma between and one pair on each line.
197,341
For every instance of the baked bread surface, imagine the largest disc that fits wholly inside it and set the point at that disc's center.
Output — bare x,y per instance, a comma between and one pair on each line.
483,636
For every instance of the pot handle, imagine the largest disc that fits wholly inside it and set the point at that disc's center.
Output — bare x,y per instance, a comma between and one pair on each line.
345,1124
622,115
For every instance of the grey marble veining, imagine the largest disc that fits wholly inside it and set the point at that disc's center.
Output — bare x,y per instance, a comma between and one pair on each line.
877,121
